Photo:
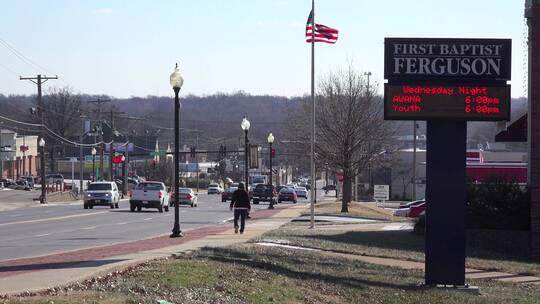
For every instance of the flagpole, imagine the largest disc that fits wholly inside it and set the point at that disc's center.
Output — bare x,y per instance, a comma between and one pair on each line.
313,177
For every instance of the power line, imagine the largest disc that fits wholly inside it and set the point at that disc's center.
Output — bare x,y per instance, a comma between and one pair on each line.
51,132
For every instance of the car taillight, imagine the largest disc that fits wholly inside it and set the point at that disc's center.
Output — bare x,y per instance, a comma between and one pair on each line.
130,194
189,196
160,194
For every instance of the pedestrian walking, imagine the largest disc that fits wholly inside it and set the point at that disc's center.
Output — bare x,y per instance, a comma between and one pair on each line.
241,205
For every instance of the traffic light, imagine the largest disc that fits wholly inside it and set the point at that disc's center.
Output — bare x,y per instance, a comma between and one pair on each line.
273,152
192,152
118,157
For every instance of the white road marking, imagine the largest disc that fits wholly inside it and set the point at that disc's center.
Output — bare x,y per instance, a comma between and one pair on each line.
40,235
52,218
122,223
147,219
89,228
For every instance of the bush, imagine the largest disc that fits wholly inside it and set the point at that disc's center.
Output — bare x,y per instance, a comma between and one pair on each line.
497,203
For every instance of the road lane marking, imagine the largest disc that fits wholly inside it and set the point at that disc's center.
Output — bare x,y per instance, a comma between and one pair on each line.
147,219
52,218
89,228
40,235
122,223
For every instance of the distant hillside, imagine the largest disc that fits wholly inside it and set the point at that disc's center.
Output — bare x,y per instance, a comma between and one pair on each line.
218,117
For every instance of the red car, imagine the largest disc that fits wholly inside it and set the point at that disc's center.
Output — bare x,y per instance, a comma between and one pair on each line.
287,194
415,211
227,194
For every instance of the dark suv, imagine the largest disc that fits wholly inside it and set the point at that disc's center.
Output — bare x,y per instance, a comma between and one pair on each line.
265,193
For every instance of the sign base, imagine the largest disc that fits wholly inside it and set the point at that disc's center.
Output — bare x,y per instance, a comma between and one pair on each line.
445,202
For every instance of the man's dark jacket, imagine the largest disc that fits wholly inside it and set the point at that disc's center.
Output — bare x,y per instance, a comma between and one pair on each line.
240,199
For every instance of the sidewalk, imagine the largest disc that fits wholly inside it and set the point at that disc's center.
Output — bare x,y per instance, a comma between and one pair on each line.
470,273
34,274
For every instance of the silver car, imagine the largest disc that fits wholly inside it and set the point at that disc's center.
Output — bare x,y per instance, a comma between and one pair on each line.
186,197
301,192
101,194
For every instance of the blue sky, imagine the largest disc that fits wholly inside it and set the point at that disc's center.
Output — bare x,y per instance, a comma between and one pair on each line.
128,47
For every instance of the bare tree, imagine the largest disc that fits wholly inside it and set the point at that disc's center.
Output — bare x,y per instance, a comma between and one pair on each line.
350,133
61,115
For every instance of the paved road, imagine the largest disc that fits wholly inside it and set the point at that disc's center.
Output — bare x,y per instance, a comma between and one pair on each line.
42,230
12,199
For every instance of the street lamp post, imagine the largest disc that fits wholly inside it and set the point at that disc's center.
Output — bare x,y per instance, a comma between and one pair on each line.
94,163
270,142
176,81
245,126
41,144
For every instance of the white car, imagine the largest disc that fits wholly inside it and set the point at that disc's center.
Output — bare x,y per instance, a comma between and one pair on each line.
301,192
101,194
214,188
405,208
186,197
149,195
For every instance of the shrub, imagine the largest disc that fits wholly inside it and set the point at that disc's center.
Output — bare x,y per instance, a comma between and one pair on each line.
497,203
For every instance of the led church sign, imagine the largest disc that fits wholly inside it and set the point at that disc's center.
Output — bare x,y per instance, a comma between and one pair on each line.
424,102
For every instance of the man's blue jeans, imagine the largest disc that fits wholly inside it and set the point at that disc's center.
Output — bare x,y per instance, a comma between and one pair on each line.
242,214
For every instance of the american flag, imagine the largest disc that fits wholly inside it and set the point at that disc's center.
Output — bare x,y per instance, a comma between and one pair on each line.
323,33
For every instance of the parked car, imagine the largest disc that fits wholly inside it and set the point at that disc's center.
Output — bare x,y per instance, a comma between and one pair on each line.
413,203
149,195
30,179
21,184
404,208
7,181
415,211
287,194
101,194
186,197
265,193
227,194
214,188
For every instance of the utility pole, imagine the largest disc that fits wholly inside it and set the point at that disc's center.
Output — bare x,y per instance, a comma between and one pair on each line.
100,102
414,163
39,80
81,155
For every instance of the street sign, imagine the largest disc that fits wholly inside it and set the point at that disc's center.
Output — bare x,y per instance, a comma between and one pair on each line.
381,192
73,160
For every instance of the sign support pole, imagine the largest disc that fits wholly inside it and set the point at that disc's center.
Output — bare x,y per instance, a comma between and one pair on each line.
445,202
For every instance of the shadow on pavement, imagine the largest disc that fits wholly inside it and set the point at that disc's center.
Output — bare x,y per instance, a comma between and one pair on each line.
60,265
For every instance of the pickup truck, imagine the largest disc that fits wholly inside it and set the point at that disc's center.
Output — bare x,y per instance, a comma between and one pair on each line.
265,193
149,195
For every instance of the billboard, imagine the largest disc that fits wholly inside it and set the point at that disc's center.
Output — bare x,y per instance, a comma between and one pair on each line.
447,58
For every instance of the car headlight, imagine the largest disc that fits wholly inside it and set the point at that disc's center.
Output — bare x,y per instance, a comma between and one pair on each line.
88,195
107,194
